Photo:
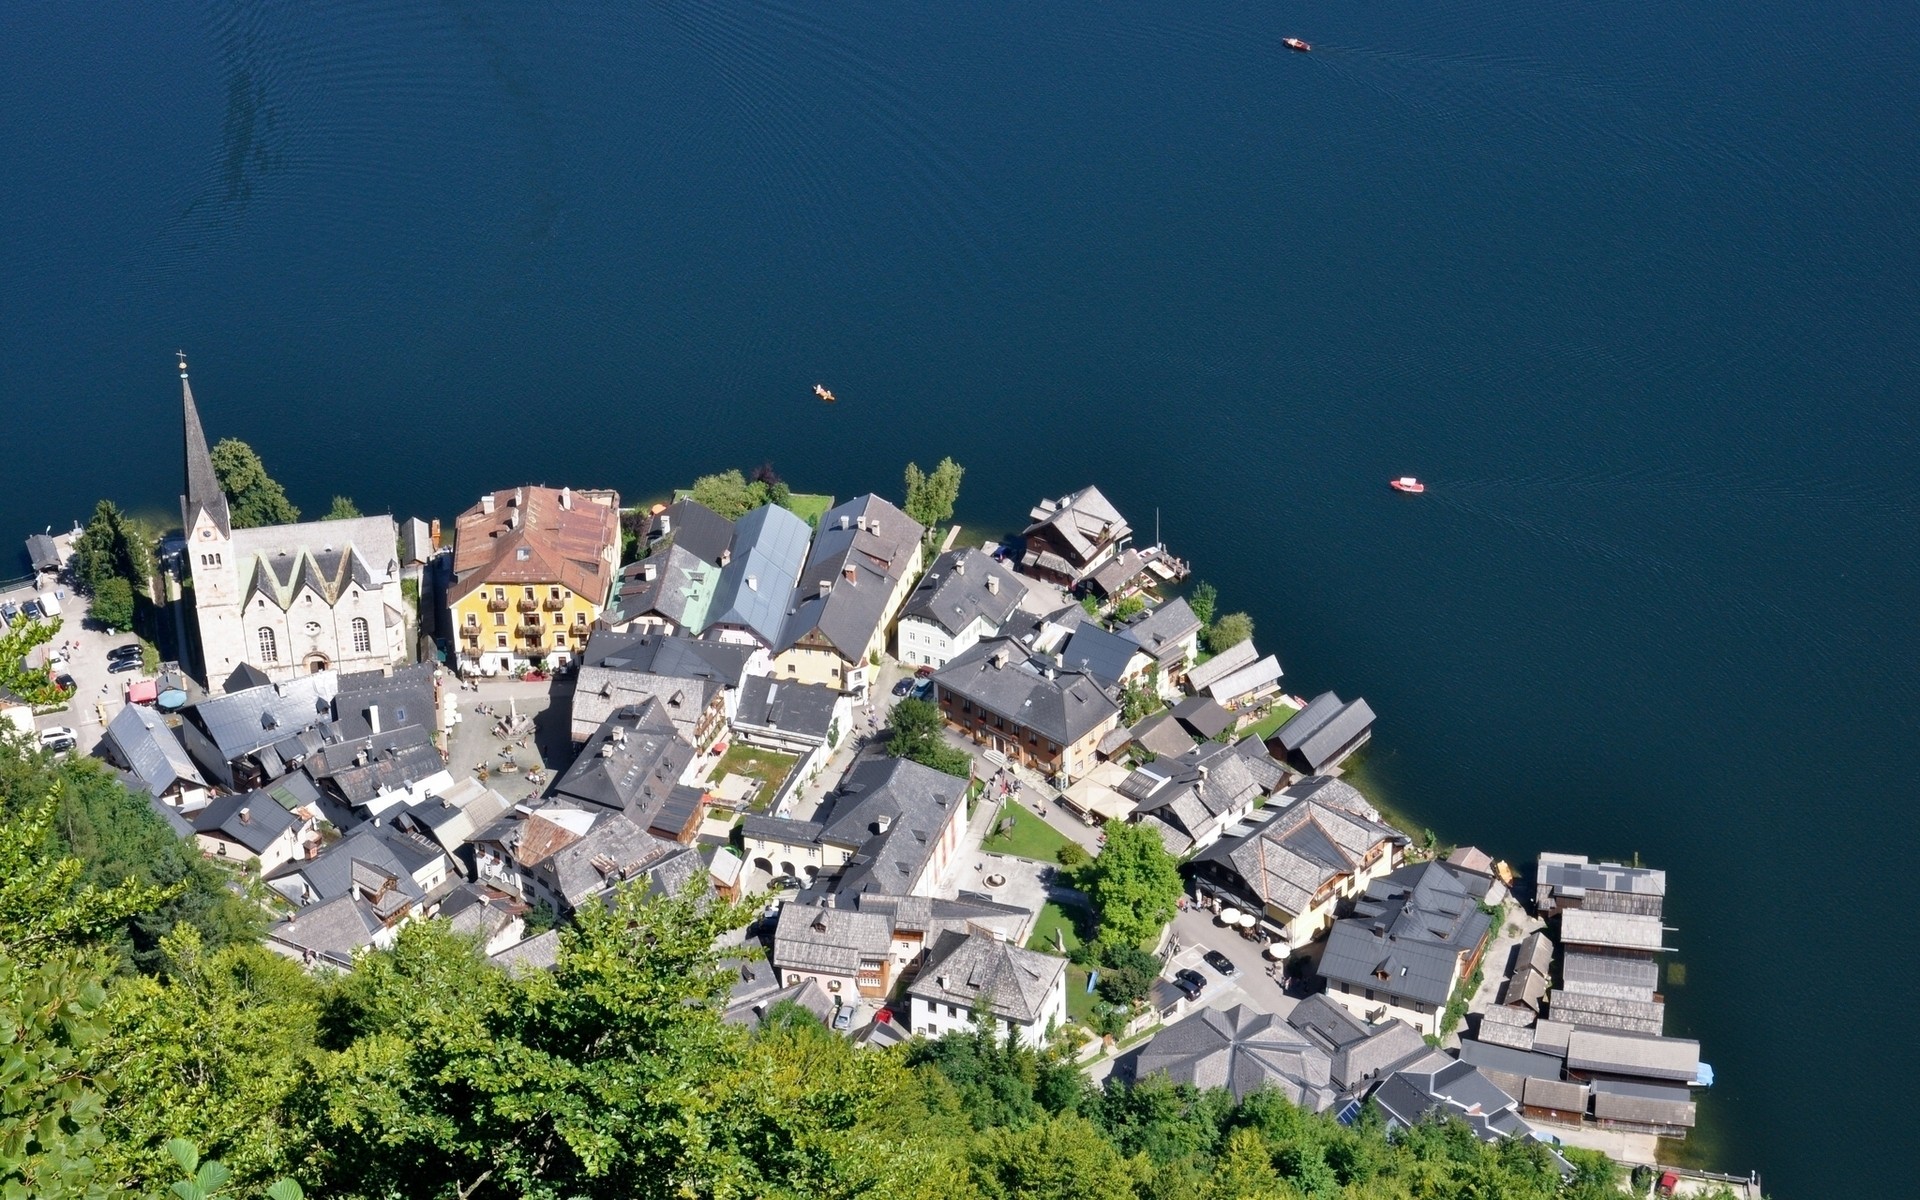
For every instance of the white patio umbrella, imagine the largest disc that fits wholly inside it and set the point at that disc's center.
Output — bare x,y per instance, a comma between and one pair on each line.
1229,916
1248,920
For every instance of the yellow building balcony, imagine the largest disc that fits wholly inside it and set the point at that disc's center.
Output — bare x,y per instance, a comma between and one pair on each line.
496,604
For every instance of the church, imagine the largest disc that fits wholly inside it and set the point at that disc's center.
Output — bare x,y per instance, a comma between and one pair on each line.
287,599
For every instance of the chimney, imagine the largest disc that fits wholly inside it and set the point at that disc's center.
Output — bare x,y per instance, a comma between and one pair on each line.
960,566
844,519
1000,657
246,814
826,585
649,572
486,504
993,585
726,556
566,497
433,533
753,583
863,522
1049,674
882,823
847,572
519,496
666,524
373,717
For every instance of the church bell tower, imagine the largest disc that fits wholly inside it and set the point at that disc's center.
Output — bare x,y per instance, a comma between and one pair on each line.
208,525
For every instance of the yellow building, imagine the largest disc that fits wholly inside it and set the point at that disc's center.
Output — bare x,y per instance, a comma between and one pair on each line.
532,571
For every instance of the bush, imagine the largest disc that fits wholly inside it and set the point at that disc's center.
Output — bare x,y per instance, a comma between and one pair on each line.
113,603
1072,855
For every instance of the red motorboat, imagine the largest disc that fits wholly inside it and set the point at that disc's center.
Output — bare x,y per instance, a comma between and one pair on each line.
1295,44
1407,483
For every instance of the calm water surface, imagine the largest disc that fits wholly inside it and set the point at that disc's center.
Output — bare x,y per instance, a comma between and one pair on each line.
1635,287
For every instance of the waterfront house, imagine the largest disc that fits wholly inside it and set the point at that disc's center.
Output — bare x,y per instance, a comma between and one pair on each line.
866,556
140,739
693,527
1022,992
1070,538
749,605
965,596
1627,1014
1023,707
1170,634
1248,685
892,827
1202,717
288,599
1526,988
1315,845
1414,935
1661,1110
1116,662
1322,735
669,591
1202,677
533,569
630,764
696,682
1566,881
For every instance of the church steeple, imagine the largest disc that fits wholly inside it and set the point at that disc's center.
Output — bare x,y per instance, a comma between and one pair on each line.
203,486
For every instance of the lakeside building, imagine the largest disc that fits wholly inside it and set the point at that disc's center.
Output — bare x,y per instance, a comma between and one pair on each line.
865,558
1413,936
289,600
1322,735
967,595
749,604
1069,539
1023,707
1170,635
533,568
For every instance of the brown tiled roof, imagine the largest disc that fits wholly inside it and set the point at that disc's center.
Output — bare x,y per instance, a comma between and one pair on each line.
565,543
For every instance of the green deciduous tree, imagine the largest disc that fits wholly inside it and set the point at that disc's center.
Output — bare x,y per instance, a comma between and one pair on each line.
1230,630
113,603
1204,600
1134,884
931,496
914,733
253,496
729,493
1129,607
112,547
1062,1158
344,509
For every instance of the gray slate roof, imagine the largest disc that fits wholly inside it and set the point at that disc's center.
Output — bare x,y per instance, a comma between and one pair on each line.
151,750
1406,934
1203,716
1610,886
404,698
541,952
253,819
674,583
1221,665
1455,1090
1255,676
831,940
1325,830
331,930
1642,1103
615,850
453,817
1321,731
395,759
1099,653
1163,632
619,670
1243,1051
360,860
963,969
630,763
1081,522
1063,708
1609,975
913,802
803,710
861,552
694,528
1360,1052
954,592
1615,1052
242,722
1608,1012
769,548
1162,734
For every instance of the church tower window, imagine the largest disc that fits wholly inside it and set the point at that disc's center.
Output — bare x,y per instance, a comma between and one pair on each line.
269,645
362,636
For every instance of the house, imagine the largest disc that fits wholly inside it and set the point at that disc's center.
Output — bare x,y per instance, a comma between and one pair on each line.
385,770
1663,1111
1246,685
333,932
1322,844
453,816
630,764
797,718
893,827
1170,634
1112,660
412,867
1192,799
1526,988
1322,735
1564,881
1455,1090
140,738
694,528
1361,1054
1022,992
44,553
759,991
1202,717
248,825
565,856
965,596
1024,707
845,951
369,701
288,599
1070,538
533,569
1413,936
1202,677
238,738
750,603
1161,735
698,682
669,591
470,912
1243,1051
865,558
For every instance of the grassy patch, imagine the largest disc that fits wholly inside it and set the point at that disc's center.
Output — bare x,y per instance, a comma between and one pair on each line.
1074,924
809,506
1267,726
1031,837
768,766
1080,1001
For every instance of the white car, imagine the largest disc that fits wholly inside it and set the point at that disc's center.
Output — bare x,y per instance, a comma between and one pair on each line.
59,737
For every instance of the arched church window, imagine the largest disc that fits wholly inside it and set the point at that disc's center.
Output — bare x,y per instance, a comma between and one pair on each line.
269,645
362,636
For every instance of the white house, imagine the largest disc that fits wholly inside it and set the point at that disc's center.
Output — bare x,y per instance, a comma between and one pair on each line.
964,597
1023,992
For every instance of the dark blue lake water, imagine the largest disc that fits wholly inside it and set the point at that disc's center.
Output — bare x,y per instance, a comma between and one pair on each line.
1635,287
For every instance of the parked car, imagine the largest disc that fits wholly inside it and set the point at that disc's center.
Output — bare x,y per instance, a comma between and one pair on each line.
1189,981
9,610
130,650
923,690
32,609
925,672
781,883
123,664
843,1018
903,687
58,737
63,681
1220,963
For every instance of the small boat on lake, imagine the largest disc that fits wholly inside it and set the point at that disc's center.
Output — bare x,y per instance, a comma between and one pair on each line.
820,390
1295,44
1407,483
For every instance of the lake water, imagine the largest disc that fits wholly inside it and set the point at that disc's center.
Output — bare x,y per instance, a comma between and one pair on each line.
1634,287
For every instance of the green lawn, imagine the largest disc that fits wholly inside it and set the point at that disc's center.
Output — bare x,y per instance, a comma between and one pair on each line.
1074,924
809,506
1080,1001
1031,837
1264,729
768,766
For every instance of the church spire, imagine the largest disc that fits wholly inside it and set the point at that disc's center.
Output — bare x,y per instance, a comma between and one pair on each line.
203,486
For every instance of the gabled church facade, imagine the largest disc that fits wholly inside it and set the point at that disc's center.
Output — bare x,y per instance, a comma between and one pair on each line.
287,599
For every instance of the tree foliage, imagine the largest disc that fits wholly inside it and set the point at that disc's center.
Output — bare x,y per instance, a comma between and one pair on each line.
1204,600
1134,884
914,732
113,603
253,496
344,509
111,547
932,495
730,493
1230,630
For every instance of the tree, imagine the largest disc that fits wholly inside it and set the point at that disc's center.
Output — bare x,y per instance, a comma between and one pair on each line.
930,497
1129,608
1134,884
729,493
113,603
253,496
1063,1158
1229,630
913,732
1203,600
1137,701
344,509
111,547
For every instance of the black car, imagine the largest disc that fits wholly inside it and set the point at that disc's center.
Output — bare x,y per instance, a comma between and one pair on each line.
123,664
903,687
130,650
1189,981
32,609
1220,963
64,682
781,883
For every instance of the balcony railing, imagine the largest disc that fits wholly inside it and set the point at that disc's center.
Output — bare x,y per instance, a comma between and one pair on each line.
496,604
554,603
528,604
